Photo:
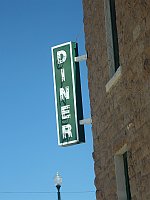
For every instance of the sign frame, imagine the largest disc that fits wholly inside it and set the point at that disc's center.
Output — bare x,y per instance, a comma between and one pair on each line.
76,89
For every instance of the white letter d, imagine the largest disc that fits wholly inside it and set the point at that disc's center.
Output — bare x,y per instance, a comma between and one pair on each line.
61,56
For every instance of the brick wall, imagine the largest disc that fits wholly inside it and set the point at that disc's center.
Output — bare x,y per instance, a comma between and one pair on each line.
122,114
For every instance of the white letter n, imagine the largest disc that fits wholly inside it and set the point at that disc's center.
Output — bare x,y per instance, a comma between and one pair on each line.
64,93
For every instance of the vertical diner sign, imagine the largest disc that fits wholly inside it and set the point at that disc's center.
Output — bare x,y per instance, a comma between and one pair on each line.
68,99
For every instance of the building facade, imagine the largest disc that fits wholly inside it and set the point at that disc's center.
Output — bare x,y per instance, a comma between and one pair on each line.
117,36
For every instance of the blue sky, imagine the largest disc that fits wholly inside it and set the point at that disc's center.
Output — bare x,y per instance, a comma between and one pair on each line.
29,154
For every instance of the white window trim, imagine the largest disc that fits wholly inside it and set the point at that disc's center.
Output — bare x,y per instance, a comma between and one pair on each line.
114,75
114,79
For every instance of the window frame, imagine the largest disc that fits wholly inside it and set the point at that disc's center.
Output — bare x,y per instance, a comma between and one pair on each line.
111,36
122,176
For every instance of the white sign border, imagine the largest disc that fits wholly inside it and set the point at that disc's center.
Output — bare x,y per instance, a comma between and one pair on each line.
74,95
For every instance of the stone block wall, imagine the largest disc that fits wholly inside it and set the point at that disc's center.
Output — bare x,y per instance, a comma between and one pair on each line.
121,115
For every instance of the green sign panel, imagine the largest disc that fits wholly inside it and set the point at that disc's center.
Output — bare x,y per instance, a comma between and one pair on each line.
68,99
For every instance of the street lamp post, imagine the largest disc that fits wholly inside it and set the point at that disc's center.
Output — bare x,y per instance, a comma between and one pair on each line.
58,182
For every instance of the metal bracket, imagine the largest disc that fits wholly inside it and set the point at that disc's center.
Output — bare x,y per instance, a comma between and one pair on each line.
80,58
85,121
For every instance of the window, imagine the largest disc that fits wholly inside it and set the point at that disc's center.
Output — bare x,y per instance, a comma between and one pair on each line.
122,176
111,36
125,161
